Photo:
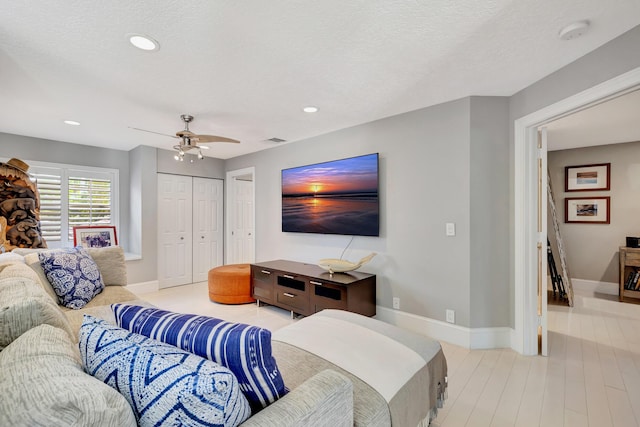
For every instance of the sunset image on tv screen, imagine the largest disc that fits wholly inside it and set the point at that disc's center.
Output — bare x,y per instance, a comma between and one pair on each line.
337,197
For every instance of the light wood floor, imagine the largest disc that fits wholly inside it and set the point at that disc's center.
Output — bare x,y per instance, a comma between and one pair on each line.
591,377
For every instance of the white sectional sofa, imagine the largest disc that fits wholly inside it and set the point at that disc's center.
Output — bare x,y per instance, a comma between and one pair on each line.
42,379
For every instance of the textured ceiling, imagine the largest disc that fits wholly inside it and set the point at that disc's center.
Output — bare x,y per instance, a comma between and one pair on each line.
245,68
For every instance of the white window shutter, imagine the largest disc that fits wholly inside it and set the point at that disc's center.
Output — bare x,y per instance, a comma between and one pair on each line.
50,188
89,202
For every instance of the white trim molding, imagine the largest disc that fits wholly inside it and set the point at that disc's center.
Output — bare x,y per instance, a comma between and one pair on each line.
478,338
143,287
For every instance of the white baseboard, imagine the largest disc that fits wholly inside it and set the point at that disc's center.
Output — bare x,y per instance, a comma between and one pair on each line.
596,286
478,338
144,287
586,282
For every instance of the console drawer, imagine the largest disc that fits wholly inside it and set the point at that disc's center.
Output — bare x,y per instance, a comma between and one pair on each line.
632,259
262,274
292,299
262,284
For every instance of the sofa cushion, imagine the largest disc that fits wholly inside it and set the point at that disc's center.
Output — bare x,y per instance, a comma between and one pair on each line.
244,349
33,261
76,317
10,258
163,384
110,261
23,306
108,296
24,271
73,274
42,384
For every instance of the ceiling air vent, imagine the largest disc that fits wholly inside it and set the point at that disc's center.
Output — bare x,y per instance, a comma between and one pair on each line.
276,140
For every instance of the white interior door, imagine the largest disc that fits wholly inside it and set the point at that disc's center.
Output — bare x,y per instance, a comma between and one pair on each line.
240,216
174,230
542,241
242,233
207,226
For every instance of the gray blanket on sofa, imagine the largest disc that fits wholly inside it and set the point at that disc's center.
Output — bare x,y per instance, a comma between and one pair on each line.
412,403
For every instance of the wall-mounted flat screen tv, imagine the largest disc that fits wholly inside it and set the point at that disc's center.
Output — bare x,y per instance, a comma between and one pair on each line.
336,197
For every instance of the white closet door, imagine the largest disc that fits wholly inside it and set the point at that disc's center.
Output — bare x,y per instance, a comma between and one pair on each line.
243,223
207,226
174,230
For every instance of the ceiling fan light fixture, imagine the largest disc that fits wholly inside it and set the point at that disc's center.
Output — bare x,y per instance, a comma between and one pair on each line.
143,42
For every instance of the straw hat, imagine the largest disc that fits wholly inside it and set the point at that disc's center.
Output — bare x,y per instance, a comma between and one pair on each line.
16,164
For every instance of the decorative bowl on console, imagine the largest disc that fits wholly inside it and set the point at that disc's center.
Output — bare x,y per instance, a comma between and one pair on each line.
334,265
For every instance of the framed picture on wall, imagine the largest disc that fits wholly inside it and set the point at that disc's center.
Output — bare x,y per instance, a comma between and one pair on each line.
587,177
95,236
588,211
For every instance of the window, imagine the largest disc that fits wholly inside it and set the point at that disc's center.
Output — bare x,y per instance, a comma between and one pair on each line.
71,196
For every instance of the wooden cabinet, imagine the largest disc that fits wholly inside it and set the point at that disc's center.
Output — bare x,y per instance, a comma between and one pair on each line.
629,262
306,288
262,284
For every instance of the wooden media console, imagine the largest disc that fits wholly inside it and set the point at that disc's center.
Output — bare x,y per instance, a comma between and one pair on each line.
306,288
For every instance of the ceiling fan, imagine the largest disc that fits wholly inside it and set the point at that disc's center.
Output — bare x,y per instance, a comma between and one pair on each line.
189,140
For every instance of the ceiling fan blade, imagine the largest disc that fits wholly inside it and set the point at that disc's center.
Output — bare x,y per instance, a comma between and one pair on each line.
150,131
213,138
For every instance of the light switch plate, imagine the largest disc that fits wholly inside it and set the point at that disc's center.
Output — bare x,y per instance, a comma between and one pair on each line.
451,316
451,228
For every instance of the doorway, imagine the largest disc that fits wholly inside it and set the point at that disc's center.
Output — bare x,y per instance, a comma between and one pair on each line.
240,218
527,202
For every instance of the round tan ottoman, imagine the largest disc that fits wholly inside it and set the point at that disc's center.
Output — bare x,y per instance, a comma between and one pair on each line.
230,284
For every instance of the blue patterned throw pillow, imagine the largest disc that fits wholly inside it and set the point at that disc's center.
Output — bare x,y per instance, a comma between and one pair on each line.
244,349
73,274
163,384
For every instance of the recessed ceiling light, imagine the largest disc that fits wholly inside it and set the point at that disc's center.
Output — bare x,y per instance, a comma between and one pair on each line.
72,122
574,30
143,42
310,109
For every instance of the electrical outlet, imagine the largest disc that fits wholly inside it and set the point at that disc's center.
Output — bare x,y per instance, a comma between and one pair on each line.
396,303
451,316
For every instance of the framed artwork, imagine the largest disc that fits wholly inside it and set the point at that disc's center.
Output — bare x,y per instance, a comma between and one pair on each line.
99,236
588,211
587,177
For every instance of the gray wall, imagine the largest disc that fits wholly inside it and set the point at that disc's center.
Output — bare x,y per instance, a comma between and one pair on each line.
143,215
592,249
489,288
191,166
425,181
45,150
